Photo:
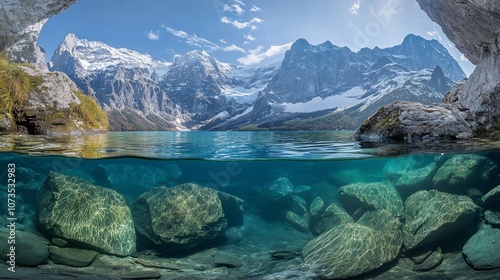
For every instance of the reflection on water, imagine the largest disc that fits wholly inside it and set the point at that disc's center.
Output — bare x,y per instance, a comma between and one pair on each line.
225,145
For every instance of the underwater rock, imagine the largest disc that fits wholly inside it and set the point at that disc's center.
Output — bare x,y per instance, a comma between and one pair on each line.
298,222
298,205
283,255
481,251
431,262
59,242
278,190
371,196
415,180
432,216
349,250
462,171
233,208
31,249
303,191
73,209
397,167
332,216
71,256
492,218
317,207
179,218
124,268
132,180
492,199
227,260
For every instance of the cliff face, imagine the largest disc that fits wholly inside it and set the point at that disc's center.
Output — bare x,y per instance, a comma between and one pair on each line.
34,100
471,108
20,26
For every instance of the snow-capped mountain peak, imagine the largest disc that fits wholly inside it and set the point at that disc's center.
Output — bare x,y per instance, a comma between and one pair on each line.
91,56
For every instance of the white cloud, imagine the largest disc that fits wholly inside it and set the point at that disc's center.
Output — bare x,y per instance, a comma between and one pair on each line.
242,25
234,9
192,39
233,48
153,35
259,54
223,41
249,37
240,2
355,7
254,9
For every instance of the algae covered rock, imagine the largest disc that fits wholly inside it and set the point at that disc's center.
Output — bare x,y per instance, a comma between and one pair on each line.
371,196
432,216
73,209
72,256
179,218
481,251
349,250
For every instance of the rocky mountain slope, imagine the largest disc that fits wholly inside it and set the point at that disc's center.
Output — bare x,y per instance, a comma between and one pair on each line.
314,81
196,91
472,108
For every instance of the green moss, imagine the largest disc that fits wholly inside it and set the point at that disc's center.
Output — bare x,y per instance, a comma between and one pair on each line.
15,86
90,113
388,121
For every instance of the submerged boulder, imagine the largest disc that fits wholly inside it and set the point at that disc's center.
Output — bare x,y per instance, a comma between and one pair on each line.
481,251
75,210
278,191
463,171
432,216
349,250
179,218
31,249
415,180
371,196
491,200
233,208
332,216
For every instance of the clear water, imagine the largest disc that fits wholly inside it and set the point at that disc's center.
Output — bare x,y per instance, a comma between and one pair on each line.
239,163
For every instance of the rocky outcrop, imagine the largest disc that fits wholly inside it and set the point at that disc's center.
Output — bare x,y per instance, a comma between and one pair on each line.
73,209
20,25
472,108
179,218
55,106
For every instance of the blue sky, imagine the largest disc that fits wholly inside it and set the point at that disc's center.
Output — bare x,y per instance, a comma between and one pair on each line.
249,32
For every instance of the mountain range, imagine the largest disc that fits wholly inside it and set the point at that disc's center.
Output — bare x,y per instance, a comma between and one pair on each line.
314,87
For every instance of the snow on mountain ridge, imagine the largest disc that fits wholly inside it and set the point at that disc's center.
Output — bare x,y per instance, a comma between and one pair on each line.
96,56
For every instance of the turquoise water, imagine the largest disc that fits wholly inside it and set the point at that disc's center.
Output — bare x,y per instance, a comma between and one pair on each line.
280,176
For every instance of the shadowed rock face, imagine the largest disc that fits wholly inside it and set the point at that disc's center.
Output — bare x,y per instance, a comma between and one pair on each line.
20,26
471,108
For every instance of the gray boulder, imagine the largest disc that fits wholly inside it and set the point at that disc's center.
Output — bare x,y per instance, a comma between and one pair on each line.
481,251
72,256
31,249
73,209
179,218
397,167
432,216
492,218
